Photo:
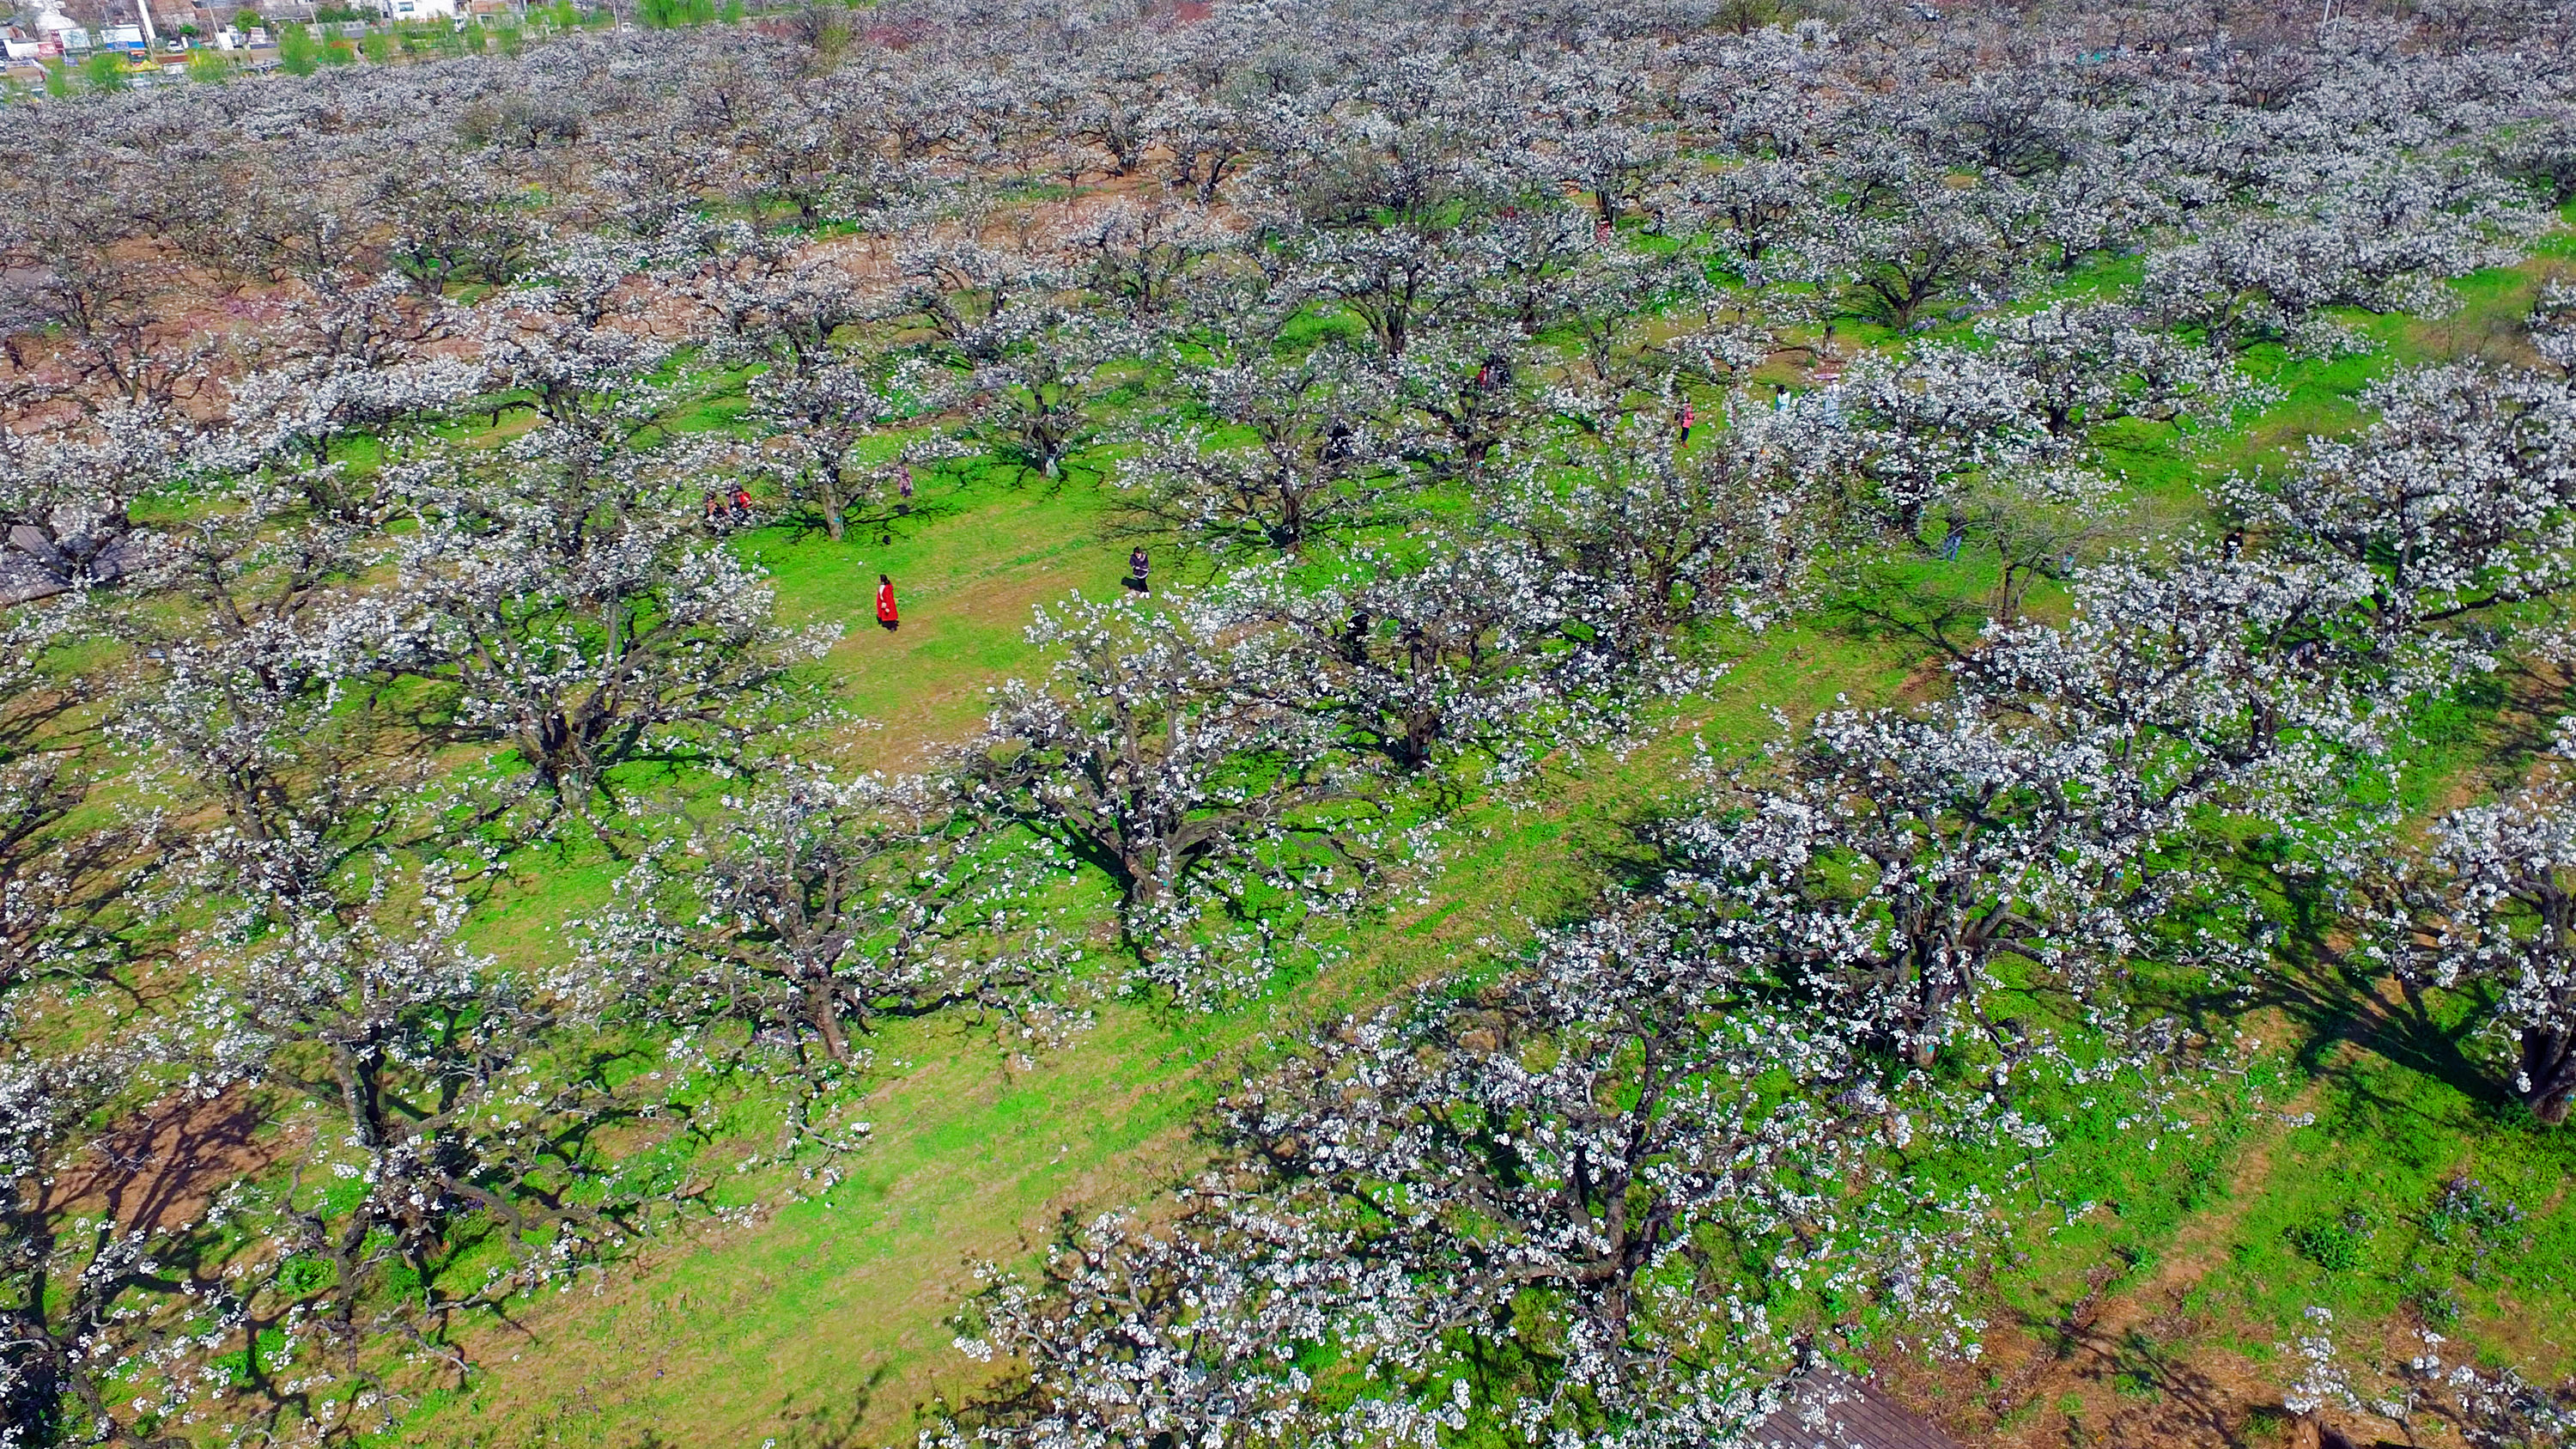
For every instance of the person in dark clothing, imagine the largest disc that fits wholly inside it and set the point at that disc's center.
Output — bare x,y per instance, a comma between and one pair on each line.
1137,565
715,509
886,615
903,491
1355,636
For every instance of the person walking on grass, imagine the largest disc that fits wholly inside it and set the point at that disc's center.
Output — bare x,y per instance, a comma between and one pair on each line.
1137,564
885,604
1688,417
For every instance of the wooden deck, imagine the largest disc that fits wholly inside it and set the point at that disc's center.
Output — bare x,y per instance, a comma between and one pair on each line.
1833,1410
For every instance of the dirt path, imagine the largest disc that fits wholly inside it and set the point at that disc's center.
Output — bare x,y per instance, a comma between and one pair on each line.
160,1169
2127,1368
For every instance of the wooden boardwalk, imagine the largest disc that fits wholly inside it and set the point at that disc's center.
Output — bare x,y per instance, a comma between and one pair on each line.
1833,1410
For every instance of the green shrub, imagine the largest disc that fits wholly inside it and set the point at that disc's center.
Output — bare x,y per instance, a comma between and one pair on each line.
2335,1245
2435,1303
299,1276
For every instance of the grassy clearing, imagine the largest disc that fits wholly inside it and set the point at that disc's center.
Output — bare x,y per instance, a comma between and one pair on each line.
980,552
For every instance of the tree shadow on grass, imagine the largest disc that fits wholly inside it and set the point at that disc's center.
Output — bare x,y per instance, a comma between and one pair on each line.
2341,1002
875,523
2159,1396
2173,1401
2535,695
162,1167
837,1424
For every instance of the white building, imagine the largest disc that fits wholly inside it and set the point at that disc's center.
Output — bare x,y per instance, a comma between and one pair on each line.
418,9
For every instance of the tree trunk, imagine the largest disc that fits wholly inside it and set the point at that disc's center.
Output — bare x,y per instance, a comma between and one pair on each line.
1145,895
1421,729
361,1119
2549,1065
822,1006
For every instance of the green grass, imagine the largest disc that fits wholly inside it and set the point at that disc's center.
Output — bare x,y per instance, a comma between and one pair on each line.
980,552
2405,1111
735,1336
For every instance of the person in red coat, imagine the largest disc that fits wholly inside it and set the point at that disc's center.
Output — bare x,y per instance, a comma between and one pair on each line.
885,603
